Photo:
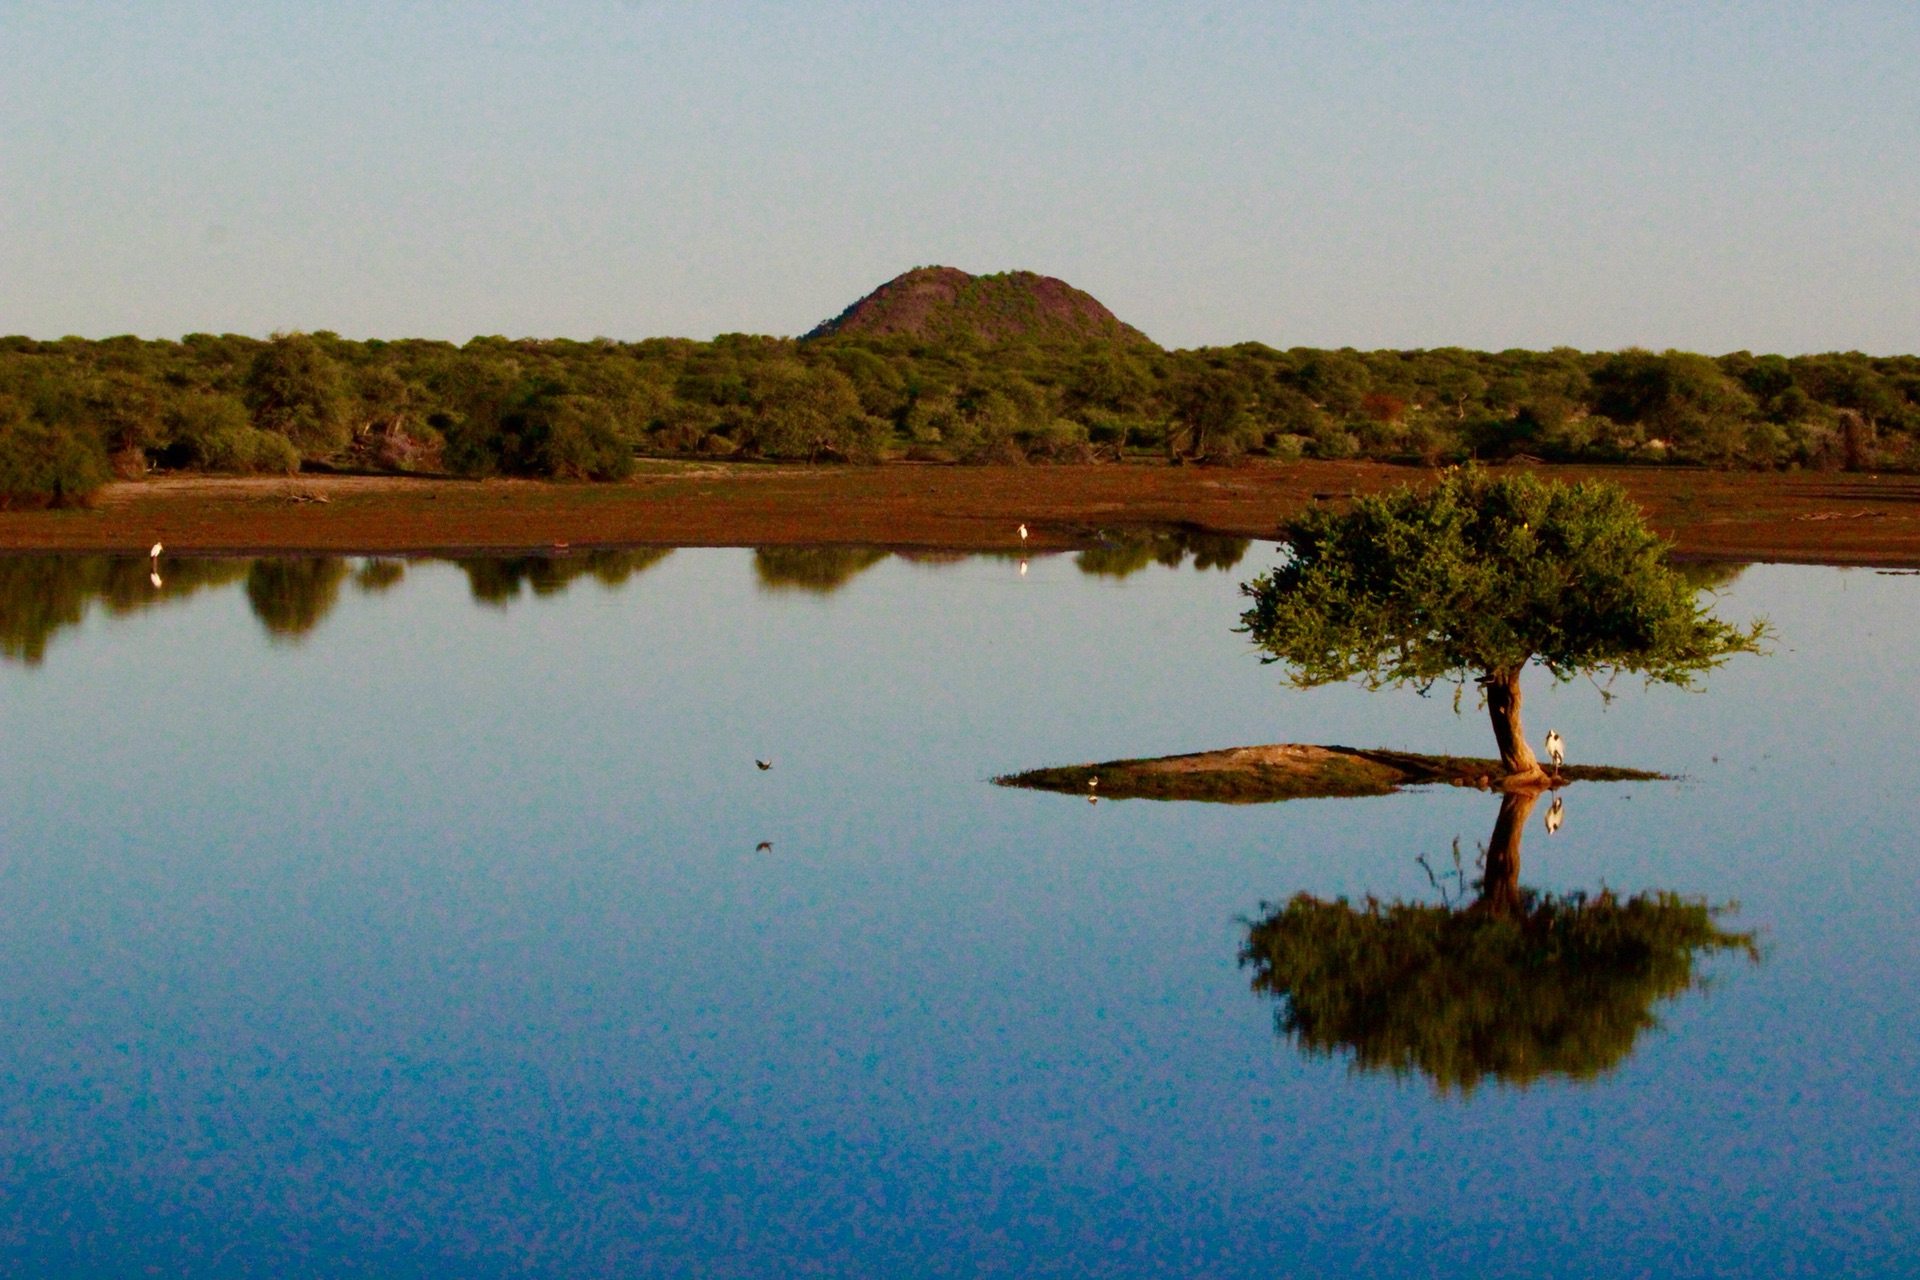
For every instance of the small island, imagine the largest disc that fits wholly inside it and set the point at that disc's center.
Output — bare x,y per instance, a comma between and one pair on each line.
1287,771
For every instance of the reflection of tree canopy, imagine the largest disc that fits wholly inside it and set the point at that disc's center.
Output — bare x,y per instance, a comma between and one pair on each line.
42,594
1132,552
1562,987
1517,985
819,569
1709,575
498,579
379,573
290,596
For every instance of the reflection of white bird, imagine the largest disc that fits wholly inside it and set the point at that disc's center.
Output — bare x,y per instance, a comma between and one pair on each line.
764,764
1023,568
1556,814
154,578
1556,747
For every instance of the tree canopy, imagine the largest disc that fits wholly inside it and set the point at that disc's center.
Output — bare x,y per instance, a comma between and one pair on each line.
1476,577
559,407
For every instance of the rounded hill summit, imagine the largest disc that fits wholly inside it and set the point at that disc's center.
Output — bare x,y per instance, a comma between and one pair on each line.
938,303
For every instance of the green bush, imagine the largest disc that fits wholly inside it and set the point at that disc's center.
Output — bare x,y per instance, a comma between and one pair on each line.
46,466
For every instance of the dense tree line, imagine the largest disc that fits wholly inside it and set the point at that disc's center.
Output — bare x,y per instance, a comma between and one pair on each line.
73,411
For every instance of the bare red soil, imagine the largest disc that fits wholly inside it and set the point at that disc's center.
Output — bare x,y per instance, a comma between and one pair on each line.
1804,517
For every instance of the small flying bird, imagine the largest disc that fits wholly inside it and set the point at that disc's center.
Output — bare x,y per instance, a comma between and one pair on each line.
765,846
764,764
1556,814
1556,747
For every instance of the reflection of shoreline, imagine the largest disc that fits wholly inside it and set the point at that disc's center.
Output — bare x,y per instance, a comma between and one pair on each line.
42,595
1514,985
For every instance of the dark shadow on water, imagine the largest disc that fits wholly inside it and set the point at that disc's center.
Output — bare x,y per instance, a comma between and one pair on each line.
1123,555
497,580
291,595
821,570
41,596
1510,985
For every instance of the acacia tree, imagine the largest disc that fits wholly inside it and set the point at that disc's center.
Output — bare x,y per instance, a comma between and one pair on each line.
1476,578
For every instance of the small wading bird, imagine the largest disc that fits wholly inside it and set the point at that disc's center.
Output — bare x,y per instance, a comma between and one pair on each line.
764,764
1023,535
154,555
1556,814
1556,748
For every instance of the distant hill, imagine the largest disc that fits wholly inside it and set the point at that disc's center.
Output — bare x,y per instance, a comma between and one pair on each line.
937,303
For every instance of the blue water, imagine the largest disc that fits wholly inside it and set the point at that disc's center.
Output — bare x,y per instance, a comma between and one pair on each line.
433,939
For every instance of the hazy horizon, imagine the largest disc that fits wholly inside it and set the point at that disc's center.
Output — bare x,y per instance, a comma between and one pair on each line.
1320,175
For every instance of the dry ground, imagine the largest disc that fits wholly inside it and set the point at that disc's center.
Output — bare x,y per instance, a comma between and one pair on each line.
1806,517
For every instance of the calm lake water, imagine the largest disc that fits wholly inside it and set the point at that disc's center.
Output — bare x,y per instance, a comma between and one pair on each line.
410,920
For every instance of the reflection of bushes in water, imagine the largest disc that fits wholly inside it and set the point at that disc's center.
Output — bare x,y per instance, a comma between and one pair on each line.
1127,554
821,569
1709,575
379,573
41,595
1561,987
291,595
498,579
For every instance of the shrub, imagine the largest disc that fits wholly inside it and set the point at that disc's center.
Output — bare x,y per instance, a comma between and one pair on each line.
46,466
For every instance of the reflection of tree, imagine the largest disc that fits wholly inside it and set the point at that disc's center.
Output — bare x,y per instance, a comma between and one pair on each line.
290,596
1516,985
819,569
497,579
41,595
378,573
1709,575
1127,554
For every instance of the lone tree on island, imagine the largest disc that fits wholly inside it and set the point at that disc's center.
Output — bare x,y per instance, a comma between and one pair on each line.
1476,577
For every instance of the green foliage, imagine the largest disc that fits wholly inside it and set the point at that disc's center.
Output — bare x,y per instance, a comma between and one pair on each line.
1476,575
46,464
1564,987
293,388
1123,555
557,407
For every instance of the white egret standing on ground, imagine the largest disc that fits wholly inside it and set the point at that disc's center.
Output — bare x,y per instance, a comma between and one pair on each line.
1556,747
1023,535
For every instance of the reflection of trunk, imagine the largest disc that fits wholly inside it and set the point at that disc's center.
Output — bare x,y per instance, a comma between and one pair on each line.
1500,882
1503,706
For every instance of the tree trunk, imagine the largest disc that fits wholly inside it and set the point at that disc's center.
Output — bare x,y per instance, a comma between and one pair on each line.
1503,706
1500,879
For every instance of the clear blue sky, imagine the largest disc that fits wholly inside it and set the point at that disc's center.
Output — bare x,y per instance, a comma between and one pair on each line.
1708,176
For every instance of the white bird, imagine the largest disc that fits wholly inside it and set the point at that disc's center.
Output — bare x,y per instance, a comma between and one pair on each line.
1093,781
155,553
1556,814
764,764
1023,535
1556,747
